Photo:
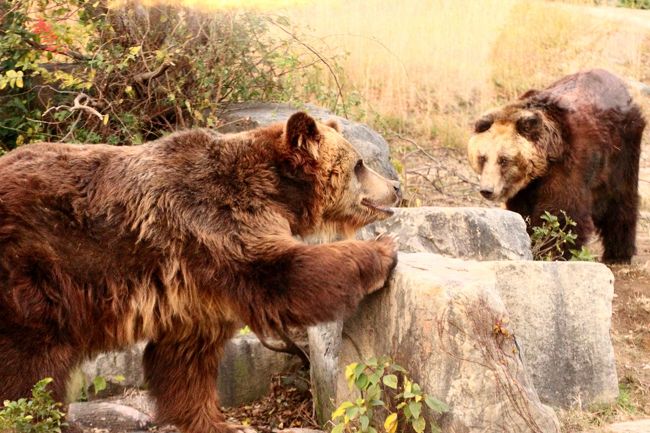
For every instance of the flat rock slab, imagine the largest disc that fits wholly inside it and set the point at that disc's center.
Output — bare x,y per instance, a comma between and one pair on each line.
463,232
638,426
107,415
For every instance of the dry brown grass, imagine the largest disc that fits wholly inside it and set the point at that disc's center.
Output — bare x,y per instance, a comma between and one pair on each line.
428,67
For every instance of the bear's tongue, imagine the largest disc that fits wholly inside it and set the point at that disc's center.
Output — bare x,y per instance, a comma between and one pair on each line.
372,205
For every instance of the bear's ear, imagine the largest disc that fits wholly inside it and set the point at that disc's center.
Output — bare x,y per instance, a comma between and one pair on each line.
529,125
301,133
332,123
529,94
484,123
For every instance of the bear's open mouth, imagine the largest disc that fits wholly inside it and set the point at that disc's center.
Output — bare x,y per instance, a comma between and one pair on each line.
377,207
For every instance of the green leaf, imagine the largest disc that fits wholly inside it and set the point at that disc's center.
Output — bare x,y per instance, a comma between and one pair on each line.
415,409
436,405
390,424
362,382
364,421
119,378
419,425
99,384
352,412
338,428
390,380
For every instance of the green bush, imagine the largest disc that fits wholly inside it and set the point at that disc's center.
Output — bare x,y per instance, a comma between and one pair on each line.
39,414
387,398
554,237
78,71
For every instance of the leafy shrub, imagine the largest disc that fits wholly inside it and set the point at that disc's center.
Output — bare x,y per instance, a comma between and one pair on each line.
39,414
636,4
554,237
387,397
73,70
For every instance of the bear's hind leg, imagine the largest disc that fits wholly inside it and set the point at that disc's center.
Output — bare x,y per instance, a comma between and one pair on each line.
26,359
182,376
617,229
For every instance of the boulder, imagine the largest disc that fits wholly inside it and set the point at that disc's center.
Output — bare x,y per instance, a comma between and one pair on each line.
107,414
371,145
245,371
444,321
463,232
561,315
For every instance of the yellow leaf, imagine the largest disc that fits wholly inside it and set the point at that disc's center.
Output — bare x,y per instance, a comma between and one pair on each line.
19,82
390,425
349,371
134,50
105,119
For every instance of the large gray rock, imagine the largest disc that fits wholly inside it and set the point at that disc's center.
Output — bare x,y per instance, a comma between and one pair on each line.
245,371
436,315
561,315
103,414
437,318
464,232
372,146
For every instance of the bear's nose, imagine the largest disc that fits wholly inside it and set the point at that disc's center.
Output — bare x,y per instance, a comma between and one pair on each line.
487,193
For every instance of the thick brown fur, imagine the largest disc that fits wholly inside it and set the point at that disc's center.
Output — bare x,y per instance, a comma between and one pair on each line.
573,146
176,242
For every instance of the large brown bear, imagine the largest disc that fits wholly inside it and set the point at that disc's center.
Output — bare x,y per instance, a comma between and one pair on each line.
176,242
571,147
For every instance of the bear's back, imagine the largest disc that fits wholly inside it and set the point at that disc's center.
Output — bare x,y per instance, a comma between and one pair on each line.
595,91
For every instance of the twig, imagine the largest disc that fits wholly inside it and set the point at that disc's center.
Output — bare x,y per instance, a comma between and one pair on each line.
148,76
322,59
78,105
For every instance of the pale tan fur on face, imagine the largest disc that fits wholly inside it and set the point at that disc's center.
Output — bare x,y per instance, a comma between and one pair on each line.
501,142
344,212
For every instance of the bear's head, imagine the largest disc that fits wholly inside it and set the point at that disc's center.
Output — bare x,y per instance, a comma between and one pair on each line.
512,146
346,193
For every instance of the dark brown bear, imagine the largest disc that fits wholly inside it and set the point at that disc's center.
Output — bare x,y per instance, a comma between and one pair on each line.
571,147
176,242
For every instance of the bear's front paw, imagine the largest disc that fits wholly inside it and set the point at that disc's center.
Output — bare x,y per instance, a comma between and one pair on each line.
387,248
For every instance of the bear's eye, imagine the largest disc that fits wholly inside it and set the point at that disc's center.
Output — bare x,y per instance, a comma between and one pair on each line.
481,160
503,161
358,168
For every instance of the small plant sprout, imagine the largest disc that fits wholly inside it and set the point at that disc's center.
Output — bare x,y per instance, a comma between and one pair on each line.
388,400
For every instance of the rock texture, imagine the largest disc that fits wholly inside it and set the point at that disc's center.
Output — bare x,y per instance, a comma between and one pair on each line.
443,320
638,426
469,233
372,146
244,374
561,315
103,414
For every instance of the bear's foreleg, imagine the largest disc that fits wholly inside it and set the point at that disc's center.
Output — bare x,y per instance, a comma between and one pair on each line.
302,285
181,372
